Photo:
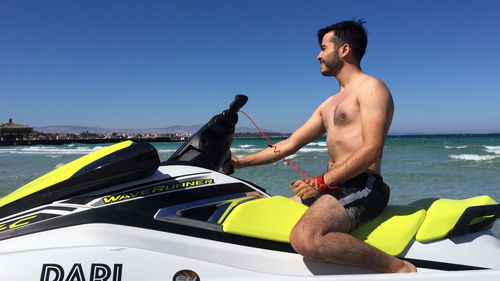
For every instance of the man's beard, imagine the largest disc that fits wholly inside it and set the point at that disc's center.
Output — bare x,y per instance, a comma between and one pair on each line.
334,66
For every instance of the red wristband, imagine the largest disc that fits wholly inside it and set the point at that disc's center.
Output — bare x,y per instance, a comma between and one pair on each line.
320,181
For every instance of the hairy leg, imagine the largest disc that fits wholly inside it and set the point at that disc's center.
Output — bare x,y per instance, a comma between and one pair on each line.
321,234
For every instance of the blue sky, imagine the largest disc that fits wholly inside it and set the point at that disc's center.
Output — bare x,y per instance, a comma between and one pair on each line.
154,64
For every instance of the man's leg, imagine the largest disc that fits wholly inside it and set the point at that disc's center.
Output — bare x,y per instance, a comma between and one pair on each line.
321,234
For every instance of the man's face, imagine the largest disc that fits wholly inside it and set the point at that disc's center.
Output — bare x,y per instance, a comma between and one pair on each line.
329,58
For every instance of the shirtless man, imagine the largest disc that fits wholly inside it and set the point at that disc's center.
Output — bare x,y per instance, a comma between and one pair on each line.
356,121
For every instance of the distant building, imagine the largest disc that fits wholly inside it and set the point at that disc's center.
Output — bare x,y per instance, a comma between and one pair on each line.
11,132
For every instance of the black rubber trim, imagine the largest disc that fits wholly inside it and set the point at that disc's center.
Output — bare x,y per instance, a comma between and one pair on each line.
464,226
442,265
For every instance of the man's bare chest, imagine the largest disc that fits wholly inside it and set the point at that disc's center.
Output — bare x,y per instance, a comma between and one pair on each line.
341,113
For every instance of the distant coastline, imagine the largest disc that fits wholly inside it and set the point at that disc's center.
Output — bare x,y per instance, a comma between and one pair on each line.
89,140
61,141
59,135
171,130
189,130
37,138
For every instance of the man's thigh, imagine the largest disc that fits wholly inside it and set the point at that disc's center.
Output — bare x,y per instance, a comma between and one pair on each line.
325,215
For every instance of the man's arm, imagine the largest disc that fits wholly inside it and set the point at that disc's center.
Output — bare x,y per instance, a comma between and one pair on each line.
308,132
376,109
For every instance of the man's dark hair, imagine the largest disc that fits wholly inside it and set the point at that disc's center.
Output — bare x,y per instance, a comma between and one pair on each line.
348,32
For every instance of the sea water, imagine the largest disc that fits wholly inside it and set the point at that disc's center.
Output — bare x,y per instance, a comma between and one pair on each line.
415,167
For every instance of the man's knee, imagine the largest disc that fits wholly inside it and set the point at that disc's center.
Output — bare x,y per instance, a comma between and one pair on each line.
304,242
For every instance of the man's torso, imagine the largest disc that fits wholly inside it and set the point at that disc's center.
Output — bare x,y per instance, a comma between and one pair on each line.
342,122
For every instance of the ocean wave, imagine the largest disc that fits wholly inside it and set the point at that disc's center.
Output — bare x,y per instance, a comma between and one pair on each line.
246,145
473,157
310,149
245,150
492,149
43,150
54,156
319,143
455,147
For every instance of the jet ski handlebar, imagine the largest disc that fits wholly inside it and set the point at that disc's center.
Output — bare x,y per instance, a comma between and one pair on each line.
238,103
210,146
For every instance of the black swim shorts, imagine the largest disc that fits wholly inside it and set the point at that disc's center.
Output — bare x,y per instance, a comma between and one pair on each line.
364,197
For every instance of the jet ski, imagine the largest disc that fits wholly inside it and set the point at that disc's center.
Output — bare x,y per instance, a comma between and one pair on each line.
121,214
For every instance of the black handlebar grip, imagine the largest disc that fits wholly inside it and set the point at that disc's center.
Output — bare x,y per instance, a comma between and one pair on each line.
239,102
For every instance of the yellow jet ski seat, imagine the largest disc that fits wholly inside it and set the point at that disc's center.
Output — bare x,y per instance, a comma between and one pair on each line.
392,230
269,218
274,217
444,214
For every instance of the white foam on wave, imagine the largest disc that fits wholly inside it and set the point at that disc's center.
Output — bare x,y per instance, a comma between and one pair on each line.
492,149
455,147
245,145
54,156
473,157
311,149
43,150
319,143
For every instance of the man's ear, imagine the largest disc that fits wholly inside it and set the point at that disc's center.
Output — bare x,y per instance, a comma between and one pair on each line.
344,50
